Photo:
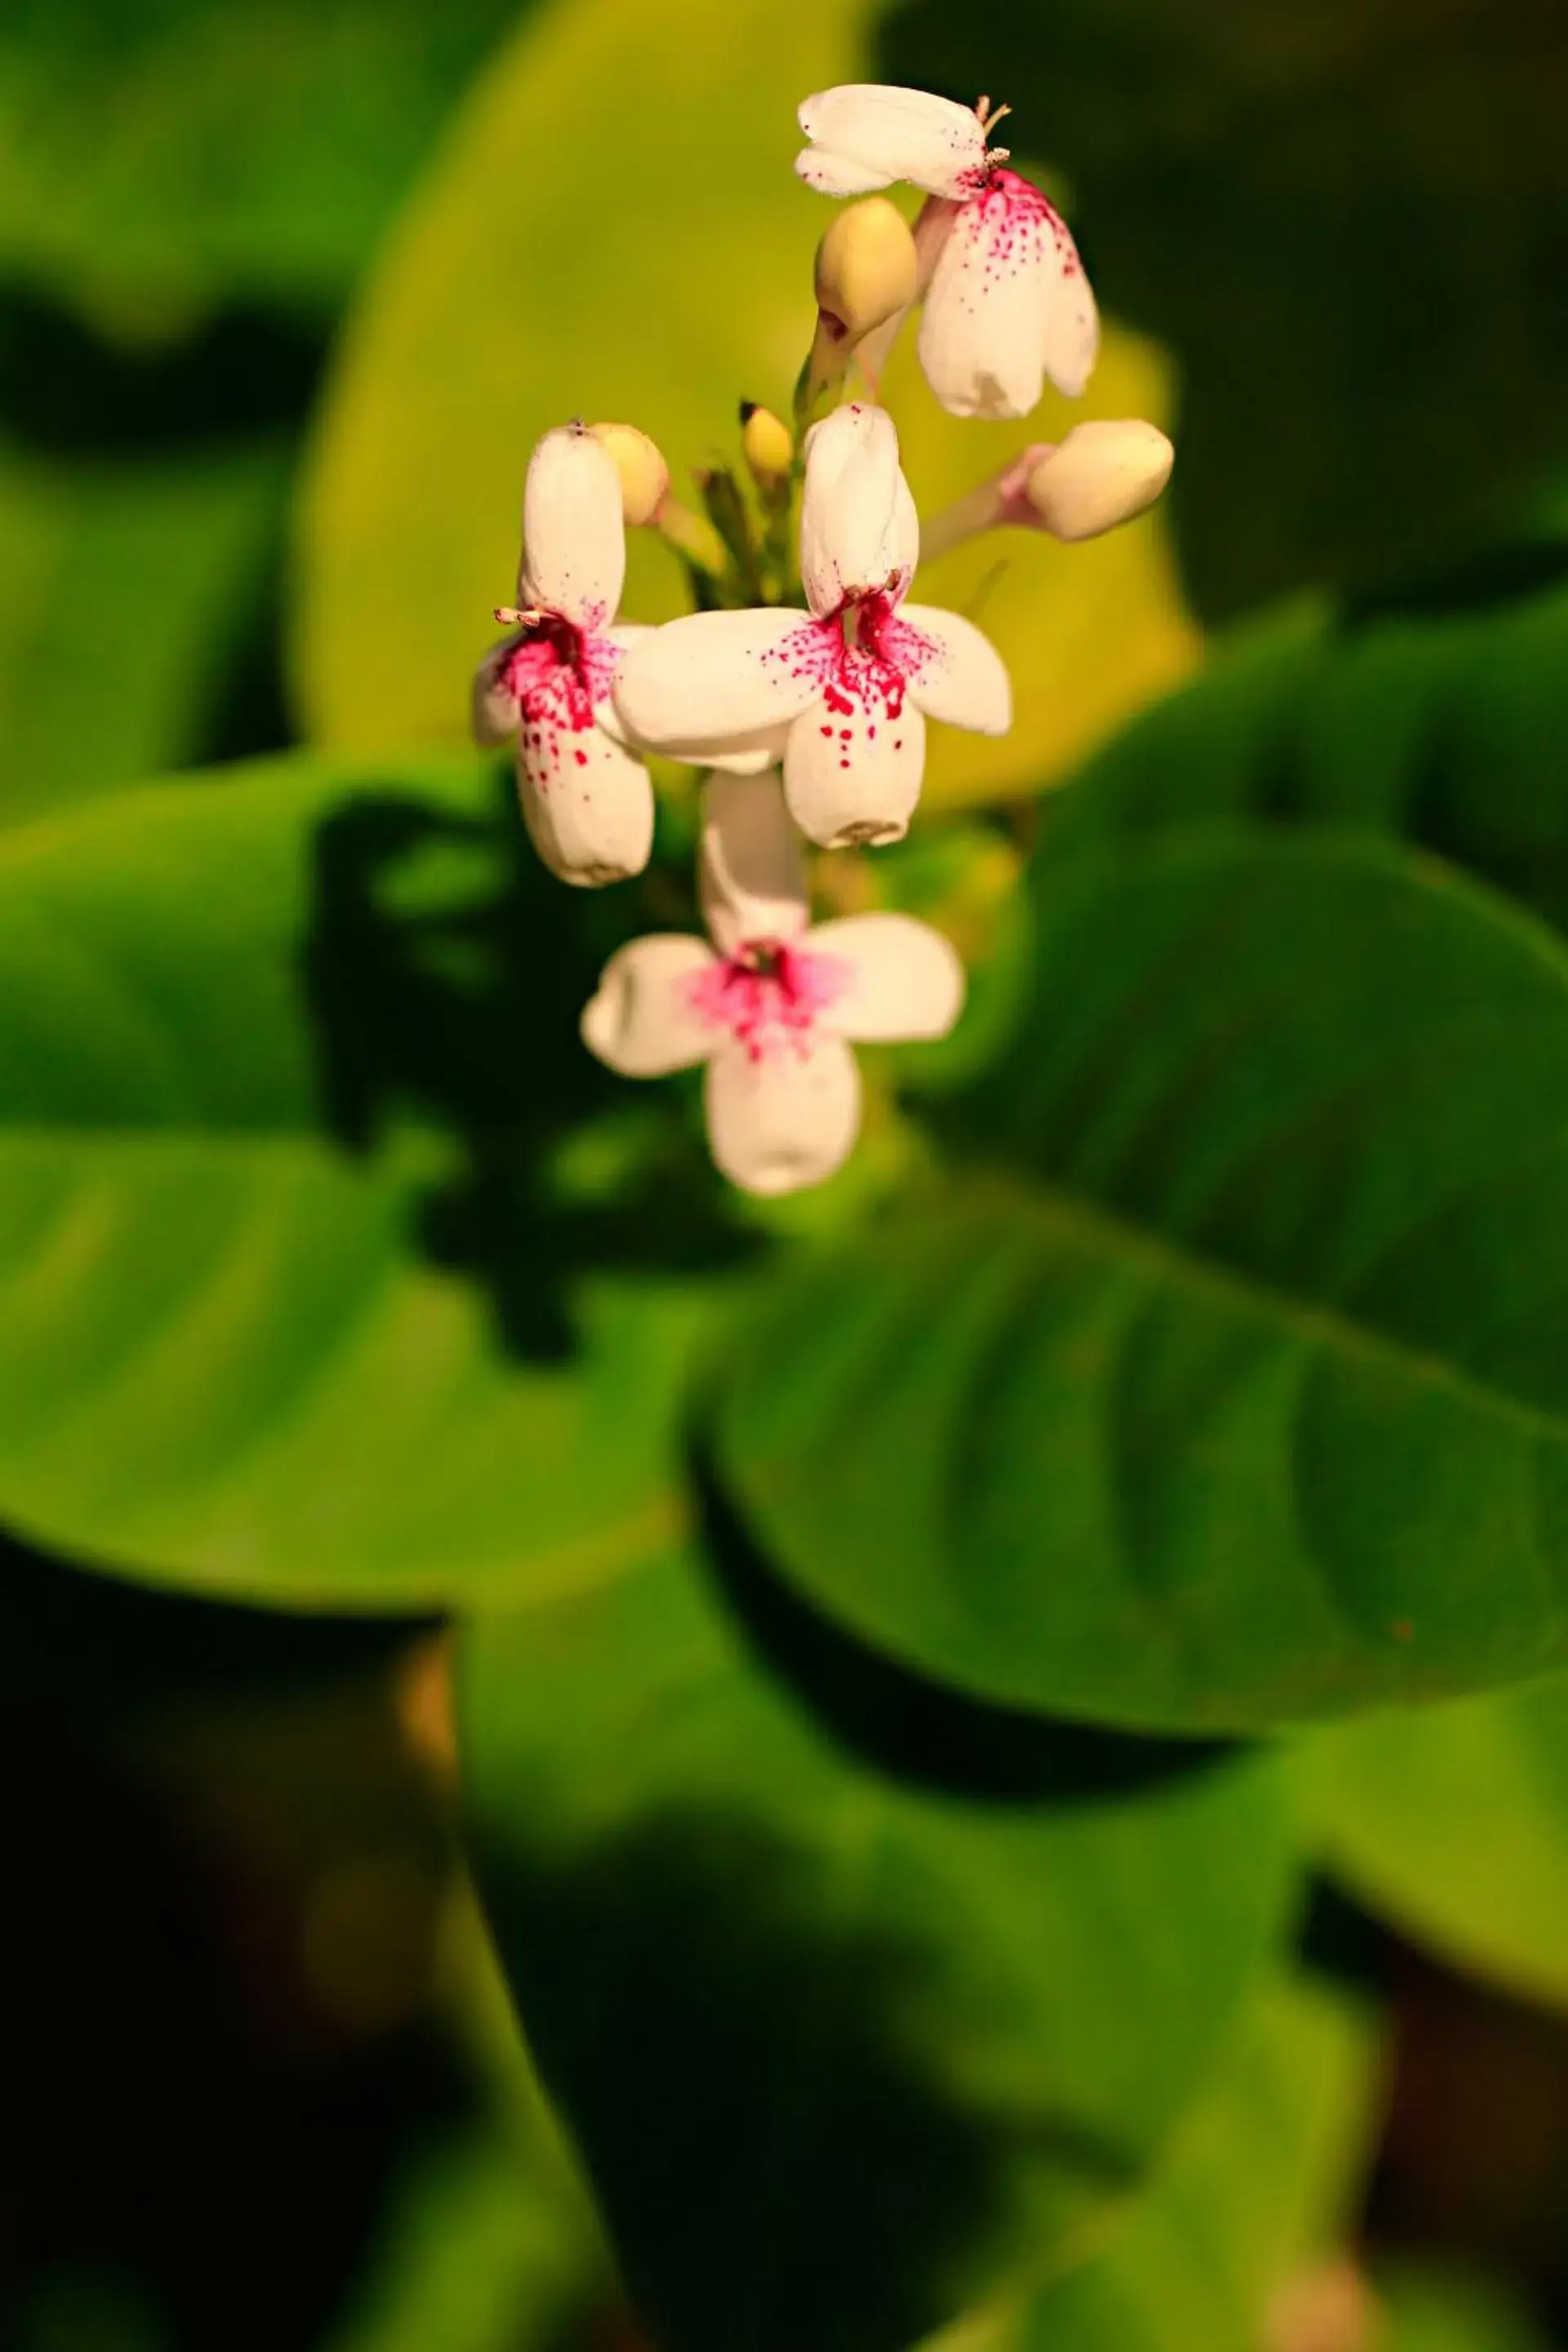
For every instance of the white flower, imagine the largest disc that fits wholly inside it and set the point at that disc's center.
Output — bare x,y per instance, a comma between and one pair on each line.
841,693
771,1006
586,797
1006,301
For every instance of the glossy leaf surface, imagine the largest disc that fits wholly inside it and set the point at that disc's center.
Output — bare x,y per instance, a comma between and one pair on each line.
1262,2178
1432,717
298,1301
1452,1821
1227,1389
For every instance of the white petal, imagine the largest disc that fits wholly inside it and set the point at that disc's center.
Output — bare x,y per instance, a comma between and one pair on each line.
867,134
902,546
787,1118
959,677
1071,320
852,773
586,800
902,978
847,512
620,640
742,755
575,539
982,337
645,1019
751,878
715,676
493,709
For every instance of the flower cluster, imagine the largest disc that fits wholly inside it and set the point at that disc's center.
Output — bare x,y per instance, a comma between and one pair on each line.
808,716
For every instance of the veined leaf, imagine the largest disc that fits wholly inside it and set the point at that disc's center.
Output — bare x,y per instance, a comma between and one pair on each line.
1227,1389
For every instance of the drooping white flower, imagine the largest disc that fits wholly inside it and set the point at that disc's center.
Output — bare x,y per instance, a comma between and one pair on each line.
840,693
772,1005
586,797
1006,301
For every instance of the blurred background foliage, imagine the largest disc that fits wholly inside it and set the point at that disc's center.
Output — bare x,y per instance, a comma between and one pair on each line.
334,1276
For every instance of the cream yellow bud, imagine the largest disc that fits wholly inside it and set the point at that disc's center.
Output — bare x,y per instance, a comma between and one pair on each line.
1101,475
639,462
866,267
767,445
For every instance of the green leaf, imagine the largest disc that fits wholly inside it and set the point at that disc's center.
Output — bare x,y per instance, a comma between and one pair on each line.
1237,1394
126,596
1435,718
298,1302
476,2255
1452,1821
1257,2186
656,266
854,2008
1432,2306
154,158
1339,217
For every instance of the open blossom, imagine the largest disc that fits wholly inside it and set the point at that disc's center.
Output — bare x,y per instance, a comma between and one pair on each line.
585,794
1006,301
840,693
772,1005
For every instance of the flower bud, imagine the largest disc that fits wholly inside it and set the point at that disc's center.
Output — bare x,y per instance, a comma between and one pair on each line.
639,462
866,267
1101,475
767,445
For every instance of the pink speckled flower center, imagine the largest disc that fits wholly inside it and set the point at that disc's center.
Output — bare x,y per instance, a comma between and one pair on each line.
1014,221
767,995
862,658
559,673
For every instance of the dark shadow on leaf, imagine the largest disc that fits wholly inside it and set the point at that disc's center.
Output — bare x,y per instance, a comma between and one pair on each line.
96,1648
446,974
1487,582
1349,222
69,391
919,1732
736,2043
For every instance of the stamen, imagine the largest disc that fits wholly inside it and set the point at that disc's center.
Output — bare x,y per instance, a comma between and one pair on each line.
514,616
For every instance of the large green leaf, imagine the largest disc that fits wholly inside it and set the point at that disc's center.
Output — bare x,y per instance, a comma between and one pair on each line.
1339,216
1257,2186
155,154
1236,1394
656,264
128,592
477,2255
856,2007
1453,1820
1435,718
298,1300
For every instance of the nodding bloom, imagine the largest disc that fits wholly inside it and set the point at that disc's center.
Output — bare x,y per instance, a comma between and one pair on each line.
1006,301
586,797
841,693
772,1005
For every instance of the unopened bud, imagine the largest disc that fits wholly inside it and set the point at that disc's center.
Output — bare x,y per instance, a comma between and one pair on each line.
767,445
639,462
1101,475
866,267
